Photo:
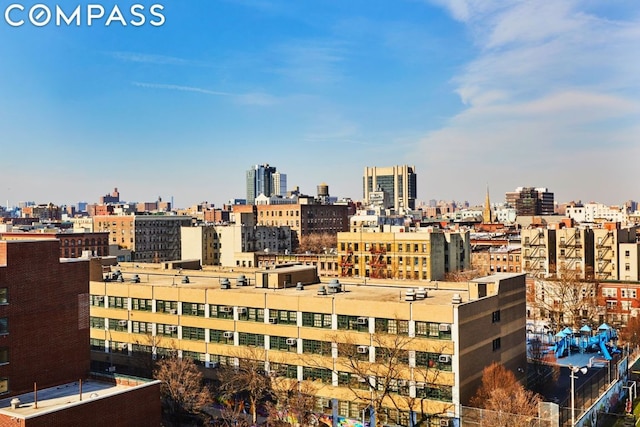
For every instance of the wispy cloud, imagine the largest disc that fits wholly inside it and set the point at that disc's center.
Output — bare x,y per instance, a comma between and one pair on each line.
147,58
255,98
552,89
309,61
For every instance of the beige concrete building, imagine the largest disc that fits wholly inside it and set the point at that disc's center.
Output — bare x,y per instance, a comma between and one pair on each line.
629,261
606,252
152,238
538,251
393,187
424,254
574,249
448,333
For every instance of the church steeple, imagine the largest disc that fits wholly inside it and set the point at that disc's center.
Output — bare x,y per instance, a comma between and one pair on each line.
487,216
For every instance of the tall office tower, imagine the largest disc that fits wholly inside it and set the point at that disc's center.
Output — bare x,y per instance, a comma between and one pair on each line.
279,184
397,182
259,181
531,201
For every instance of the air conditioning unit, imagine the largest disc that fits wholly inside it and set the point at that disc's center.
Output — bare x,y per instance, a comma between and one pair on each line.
273,320
100,298
292,341
173,311
122,323
362,321
444,327
444,358
363,349
227,334
172,328
242,310
444,422
420,386
227,309
401,383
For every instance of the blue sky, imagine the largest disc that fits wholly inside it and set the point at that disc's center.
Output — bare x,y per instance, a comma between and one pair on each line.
470,92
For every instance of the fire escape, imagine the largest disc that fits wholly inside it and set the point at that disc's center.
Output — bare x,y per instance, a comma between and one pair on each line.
378,263
346,263
604,255
534,255
571,261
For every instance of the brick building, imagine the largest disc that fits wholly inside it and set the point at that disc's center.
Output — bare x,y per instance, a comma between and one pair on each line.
72,245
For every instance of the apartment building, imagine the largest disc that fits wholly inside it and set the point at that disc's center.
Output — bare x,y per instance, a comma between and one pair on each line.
530,201
606,241
487,259
447,334
152,238
72,244
303,219
425,254
394,186
233,245
538,251
44,336
574,249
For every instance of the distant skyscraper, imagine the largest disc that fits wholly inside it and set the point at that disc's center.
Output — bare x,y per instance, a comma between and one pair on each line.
260,181
531,201
399,183
279,184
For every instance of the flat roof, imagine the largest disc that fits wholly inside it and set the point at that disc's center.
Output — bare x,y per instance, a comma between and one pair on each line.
438,292
64,396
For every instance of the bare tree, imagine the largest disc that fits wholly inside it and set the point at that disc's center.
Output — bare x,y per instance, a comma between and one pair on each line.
318,243
182,387
565,299
631,332
462,276
505,401
248,379
295,402
144,354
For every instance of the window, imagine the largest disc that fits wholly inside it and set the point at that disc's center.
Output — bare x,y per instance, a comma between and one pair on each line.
168,330
169,307
252,340
4,385
626,254
428,360
392,326
198,358
221,311
495,316
4,295
609,292
433,330
96,345
4,355
281,343
118,302
118,325
316,320
314,374
251,314
96,300
353,323
4,325
192,333
496,344
96,322
284,317
352,381
284,370
141,328
193,309
436,392
628,293
221,337
316,347
221,360
141,304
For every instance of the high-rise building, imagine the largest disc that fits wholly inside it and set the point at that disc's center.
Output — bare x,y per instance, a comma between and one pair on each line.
399,183
530,201
260,181
279,184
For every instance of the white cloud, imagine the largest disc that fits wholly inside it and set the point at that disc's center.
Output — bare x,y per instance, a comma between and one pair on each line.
256,98
551,99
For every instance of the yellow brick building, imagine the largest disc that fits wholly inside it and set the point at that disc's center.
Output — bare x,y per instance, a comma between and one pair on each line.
448,333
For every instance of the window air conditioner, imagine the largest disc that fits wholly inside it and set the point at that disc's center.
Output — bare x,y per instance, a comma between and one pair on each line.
444,422
242,310
362,320
292,341
273,320
363,349
444,327
122,323
444,358
228,334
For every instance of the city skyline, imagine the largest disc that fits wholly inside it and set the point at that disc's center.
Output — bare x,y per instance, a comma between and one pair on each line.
505,94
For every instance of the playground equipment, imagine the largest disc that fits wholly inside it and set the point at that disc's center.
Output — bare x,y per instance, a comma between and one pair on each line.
603,342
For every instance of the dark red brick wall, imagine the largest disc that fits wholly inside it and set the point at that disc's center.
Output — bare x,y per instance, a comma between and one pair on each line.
48,335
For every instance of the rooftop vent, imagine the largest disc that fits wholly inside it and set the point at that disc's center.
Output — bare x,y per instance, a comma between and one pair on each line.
225,284
299,286
410,295
322,290
334,286
185,279
15,403
456,299
241,280
135,278
421,293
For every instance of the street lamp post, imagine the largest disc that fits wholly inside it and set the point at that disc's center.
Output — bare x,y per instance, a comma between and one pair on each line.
572,371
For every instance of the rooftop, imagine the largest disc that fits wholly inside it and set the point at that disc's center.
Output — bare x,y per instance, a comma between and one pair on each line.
437,292
67,395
